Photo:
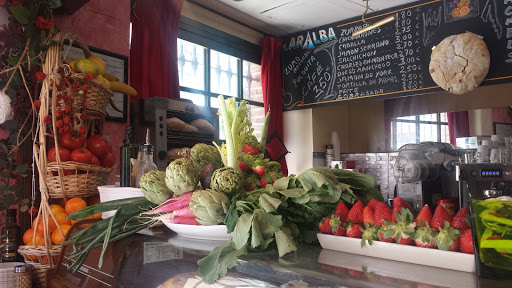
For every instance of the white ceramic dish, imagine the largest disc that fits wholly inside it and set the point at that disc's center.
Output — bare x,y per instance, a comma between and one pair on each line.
210,232
111,192
404,253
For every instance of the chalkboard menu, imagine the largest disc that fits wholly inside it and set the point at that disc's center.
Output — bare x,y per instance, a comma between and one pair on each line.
327,65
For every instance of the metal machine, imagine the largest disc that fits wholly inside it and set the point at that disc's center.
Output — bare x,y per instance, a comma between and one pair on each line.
483,180
424,173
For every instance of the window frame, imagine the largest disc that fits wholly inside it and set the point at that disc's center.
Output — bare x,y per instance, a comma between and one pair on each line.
417,122
214,39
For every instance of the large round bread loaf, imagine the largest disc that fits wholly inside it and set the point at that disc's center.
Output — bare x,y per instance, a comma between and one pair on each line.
460,63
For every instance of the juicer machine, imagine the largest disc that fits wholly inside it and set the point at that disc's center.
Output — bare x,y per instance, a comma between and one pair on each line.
425,173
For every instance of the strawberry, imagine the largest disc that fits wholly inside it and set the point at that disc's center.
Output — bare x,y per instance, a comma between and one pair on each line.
461,219
466,242
243,166
424,236
259,169
263,182
250,149
370,233
325,226
337,227
372,203
381,234
382,212
398,203
341,211
354,230
448,237
440,215
355,215
368,215
403,229
424,217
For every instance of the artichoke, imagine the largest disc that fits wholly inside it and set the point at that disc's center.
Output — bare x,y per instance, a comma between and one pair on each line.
181,176
227,180
202,153
153,186
209,207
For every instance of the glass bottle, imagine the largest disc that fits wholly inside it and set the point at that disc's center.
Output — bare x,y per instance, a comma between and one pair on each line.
144,162
128,152
11,235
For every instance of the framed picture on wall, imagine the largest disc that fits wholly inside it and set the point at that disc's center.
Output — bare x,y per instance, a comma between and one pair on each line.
117,65
504,129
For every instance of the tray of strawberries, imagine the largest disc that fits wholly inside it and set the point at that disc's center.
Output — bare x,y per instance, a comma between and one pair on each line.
376,230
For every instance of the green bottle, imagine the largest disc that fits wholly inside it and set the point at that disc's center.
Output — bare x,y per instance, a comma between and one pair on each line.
128,152
10,236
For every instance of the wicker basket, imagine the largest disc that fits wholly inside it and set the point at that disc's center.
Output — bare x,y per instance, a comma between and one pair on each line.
83,181
37,257
70,179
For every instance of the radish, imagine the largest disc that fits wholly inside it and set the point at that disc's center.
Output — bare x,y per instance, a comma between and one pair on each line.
172,204
172,218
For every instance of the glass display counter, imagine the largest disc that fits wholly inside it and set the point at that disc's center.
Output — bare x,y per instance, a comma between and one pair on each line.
164,259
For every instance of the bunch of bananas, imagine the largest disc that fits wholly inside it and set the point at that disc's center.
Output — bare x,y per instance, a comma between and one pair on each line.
96,66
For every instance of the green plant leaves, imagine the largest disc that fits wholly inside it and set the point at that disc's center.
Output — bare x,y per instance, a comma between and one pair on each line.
21,14
54,4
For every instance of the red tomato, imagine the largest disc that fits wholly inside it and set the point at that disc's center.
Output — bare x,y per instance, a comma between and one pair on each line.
97,145
95,161
63,153
108,160
81,155
109,147
72,140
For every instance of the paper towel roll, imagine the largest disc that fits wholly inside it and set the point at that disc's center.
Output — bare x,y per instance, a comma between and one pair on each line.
335,141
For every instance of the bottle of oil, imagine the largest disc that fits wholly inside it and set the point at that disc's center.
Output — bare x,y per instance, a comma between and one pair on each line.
128,152
144,162
10,232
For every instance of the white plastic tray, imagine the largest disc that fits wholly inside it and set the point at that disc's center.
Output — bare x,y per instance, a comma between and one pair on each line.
404,253
111,192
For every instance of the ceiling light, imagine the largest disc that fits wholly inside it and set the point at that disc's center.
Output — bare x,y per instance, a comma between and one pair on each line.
374,25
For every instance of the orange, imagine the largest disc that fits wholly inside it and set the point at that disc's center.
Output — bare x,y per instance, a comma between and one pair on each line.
455,12
28,235
464,11
61,218
56,208
74,204
95,216
73,222
57,236
40,228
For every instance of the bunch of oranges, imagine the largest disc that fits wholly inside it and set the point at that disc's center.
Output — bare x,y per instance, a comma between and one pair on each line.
60,214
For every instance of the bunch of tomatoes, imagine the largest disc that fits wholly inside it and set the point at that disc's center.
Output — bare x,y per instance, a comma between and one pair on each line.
95,150
59,212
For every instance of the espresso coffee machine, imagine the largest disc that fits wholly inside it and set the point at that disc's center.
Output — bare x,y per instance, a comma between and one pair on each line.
424,173
478,181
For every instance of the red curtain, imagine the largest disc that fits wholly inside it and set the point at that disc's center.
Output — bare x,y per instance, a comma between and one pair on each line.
458,125
153,51
272,98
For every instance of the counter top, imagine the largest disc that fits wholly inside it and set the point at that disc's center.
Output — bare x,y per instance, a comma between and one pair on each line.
154,258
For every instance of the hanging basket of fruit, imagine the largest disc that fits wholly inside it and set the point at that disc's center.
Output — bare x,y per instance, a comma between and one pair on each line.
74,156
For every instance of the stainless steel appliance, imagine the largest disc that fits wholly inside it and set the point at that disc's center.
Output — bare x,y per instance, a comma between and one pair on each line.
153,112
483,180
424,173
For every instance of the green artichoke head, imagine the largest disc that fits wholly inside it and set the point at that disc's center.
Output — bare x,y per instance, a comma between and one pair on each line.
201,154
181,176
227,180
153,186
209,207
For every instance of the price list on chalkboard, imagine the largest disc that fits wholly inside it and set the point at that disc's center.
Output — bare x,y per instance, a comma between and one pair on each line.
407,40
327,65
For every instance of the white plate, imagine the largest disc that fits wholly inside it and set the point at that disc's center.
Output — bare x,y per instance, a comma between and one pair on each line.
405,253
206,232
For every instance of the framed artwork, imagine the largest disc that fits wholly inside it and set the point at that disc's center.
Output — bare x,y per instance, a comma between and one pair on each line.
117,65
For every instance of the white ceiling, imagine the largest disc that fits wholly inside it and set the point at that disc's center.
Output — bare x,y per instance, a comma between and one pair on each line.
283,17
